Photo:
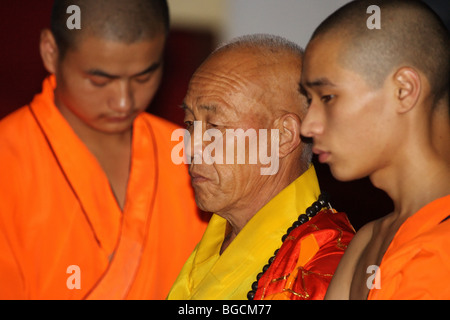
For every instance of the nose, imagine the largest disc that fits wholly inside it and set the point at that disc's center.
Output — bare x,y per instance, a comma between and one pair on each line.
313,123
123,97
194,143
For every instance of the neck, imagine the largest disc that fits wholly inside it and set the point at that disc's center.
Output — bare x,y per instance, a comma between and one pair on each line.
94,139
415,180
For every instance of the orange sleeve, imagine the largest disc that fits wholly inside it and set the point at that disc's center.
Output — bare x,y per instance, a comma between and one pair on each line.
12,285
424,277
418,269
11,278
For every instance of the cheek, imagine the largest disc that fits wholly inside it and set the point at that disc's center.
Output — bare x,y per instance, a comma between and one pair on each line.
145,92
78,96
214,195
355,119
83,103
360,143
228,178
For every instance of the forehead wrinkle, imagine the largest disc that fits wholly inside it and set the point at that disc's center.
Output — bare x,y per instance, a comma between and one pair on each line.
211,90
229,82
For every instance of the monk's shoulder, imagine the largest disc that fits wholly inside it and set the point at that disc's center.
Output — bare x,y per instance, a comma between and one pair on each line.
19,135
341,282
16,124
357,247
363,236
159,125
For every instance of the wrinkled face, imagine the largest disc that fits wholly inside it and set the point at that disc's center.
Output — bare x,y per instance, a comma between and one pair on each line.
350,122
225,93
104,84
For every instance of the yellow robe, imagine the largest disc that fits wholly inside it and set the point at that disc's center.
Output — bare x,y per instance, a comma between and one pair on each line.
209,275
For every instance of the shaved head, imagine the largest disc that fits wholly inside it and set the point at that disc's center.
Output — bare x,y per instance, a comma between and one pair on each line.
273,55
272,44
117,20
411,35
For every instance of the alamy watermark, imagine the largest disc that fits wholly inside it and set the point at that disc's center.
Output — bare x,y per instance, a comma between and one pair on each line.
74,280
374,280
374,21
74,21
263,147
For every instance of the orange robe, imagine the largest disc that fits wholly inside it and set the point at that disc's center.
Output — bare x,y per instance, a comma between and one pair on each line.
62,233
417,263
307,260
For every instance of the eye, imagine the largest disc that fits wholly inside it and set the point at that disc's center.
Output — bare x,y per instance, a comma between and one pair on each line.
143,78
189,124
99,82
327,98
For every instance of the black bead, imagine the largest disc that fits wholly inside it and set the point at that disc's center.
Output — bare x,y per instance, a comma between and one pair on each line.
255,286
289,230
322,200
276,251
310,212
251,295
271,260
259,276
303,218
266,267
296,224
316,206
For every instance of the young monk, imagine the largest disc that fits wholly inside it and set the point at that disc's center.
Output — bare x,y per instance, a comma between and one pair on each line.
379,107
91,204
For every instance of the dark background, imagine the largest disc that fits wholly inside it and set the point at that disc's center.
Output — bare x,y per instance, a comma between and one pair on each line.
22,73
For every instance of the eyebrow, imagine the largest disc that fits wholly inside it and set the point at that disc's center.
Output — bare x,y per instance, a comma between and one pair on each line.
212,108
101,73
321,82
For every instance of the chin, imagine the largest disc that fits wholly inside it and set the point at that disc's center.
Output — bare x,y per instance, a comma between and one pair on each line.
205,204
116,128
344,174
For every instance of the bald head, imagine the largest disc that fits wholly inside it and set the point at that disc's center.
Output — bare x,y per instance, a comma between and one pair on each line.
411,35
275,62
117,20
267,44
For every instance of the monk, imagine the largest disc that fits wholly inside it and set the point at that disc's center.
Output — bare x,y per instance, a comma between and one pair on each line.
272,235
379,107
92,205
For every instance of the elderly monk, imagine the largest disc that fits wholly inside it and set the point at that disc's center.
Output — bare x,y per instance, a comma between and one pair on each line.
252,83
91,204
379,106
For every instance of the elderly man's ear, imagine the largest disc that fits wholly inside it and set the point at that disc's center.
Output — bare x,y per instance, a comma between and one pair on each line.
289,125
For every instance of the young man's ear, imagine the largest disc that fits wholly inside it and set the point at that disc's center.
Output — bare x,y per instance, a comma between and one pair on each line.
408,88
49,50
289,126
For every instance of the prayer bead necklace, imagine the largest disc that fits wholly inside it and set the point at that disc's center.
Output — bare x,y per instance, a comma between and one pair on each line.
310,212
